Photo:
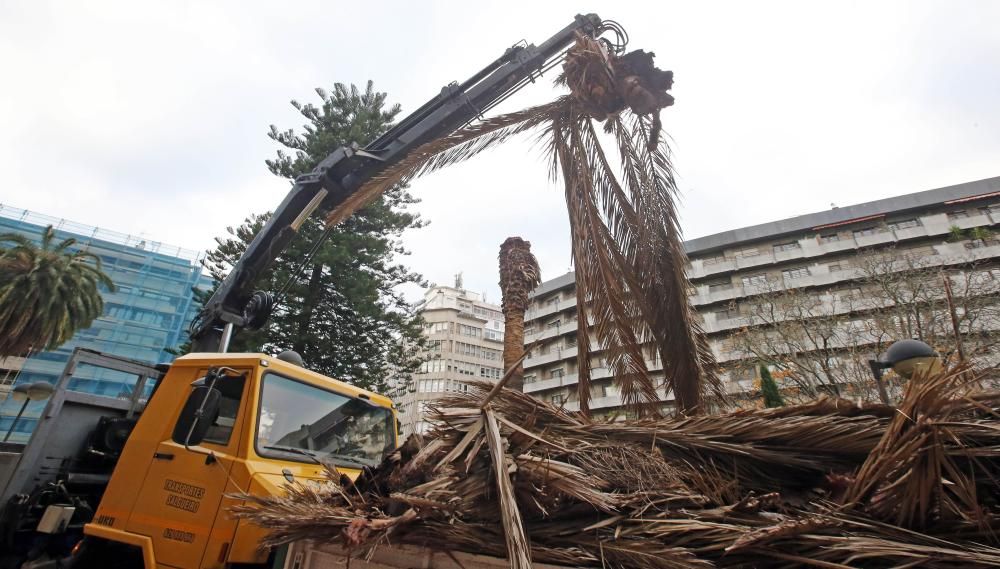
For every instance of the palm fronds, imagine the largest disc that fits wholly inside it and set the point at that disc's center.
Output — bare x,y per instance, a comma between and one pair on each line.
626,245
47,292
806,485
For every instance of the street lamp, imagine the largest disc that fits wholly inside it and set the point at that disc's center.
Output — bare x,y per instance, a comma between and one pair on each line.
26,393
906,358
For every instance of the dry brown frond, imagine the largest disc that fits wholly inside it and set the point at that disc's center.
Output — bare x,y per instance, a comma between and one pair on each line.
526,480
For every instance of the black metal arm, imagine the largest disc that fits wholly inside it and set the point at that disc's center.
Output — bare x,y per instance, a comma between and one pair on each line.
346,169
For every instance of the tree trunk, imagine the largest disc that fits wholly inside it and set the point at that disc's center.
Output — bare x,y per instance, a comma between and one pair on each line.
308,307
513,346
519,275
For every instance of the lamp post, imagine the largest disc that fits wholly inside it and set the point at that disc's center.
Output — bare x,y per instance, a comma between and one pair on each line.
905,357
26,393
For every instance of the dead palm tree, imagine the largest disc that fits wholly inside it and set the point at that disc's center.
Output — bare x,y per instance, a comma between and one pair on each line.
519,275
627,251
47,292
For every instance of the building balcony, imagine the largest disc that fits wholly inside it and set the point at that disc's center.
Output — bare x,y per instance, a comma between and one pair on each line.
754,261
554,355
789,254
880,238
707,295
551,332
930,226
551,383
961,251
542,385
972,221
699,268
536,312
815,248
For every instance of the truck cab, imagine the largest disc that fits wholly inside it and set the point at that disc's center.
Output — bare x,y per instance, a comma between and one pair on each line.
221,425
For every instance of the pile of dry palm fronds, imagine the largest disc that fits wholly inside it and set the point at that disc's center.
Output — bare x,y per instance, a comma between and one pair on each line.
829,484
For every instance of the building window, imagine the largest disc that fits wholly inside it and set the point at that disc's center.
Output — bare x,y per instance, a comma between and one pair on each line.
975,244
743,373
831,238
432,366
554,324
714,259
719,285
530,378
557,373
840,266
748,252
727,313
851,294
993,209
570,341
790,246
796,273
437,327
552,301
866,231
558,399
755,280
490,372
472,331
904,224
960,214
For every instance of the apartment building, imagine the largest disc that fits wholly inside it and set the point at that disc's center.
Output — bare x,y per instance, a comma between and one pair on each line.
819,253
464,342
148,312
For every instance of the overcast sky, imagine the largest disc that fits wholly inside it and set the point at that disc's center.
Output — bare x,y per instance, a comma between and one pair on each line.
151,117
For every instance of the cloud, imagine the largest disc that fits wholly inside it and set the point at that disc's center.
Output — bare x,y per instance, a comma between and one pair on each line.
151,117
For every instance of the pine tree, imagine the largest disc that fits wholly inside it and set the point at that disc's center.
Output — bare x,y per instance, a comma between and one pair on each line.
344,312
769,389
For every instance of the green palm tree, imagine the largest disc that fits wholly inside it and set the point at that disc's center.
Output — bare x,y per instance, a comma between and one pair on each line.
47,292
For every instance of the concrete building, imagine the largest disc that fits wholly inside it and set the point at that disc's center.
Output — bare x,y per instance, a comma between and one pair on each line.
465,343
147,314
9,368
815,251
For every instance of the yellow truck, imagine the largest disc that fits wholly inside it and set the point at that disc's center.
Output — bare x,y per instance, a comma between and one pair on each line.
146,480
219,425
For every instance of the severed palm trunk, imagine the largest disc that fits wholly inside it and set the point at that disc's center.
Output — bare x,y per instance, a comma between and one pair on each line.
626,246
519,275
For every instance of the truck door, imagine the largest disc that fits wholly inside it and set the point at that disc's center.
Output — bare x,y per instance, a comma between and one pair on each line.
180,496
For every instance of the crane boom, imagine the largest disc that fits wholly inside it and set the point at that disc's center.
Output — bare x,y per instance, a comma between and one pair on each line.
344,171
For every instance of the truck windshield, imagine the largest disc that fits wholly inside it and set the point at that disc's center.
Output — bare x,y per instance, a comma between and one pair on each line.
298,419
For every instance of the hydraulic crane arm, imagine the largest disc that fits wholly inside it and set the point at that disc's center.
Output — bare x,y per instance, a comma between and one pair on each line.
345,170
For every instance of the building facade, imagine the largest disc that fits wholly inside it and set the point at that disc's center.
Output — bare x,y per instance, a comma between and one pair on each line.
145,316
825,257
464,343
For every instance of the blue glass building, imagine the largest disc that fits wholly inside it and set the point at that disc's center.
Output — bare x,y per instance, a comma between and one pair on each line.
146,315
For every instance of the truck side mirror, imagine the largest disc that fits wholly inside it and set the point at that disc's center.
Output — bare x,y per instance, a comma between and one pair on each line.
197,415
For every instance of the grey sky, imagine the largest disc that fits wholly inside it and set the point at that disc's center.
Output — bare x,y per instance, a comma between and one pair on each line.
150,117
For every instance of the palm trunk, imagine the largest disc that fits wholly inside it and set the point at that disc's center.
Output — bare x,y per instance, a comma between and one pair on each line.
519,275
513,347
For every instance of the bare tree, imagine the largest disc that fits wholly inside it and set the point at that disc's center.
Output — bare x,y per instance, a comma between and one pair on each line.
819,340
